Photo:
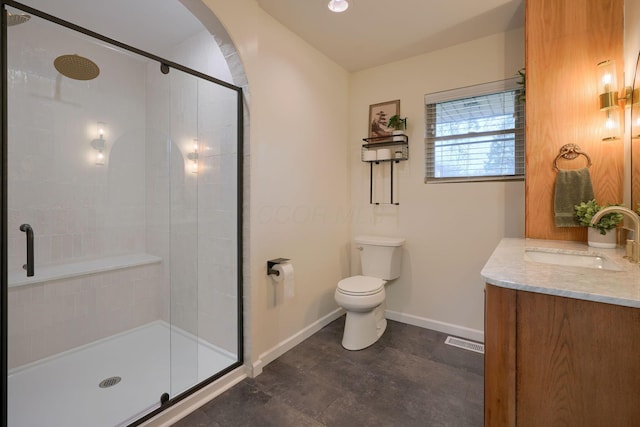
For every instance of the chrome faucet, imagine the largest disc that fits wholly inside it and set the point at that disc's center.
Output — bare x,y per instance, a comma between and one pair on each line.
635,250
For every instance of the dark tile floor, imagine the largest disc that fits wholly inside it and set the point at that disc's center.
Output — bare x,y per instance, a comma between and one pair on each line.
410,377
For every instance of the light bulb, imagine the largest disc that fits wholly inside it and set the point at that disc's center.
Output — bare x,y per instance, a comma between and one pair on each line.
610,123
194,157
338,5
99,144
607,85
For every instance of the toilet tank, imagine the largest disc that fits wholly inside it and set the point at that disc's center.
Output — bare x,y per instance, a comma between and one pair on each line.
380,256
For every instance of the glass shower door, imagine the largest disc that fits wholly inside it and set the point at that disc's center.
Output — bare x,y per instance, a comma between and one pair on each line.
123,204
204,222
87,340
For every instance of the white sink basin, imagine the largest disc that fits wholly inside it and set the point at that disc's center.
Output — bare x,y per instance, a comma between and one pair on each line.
570,258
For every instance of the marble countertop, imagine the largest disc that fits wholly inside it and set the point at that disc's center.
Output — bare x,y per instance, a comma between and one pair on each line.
508,268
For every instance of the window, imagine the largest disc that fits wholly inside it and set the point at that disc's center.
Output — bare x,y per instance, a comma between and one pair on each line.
475,133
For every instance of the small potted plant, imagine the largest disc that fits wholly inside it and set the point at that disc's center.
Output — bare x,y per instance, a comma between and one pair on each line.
600,234
398,125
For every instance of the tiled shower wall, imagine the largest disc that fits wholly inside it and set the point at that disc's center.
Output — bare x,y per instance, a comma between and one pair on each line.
77,209
80,210
51,317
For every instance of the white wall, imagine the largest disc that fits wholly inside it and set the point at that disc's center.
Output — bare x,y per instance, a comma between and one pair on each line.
451,229
302,160
298,188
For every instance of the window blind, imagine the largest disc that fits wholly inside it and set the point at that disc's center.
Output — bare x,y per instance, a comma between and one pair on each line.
475,133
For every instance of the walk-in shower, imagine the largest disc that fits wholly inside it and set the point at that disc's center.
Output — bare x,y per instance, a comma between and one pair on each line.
121,225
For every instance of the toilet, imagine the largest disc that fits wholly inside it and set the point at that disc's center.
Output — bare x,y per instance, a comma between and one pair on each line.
363,297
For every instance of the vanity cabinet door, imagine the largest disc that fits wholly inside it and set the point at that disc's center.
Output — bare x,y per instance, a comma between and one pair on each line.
555,361
577,362
500,357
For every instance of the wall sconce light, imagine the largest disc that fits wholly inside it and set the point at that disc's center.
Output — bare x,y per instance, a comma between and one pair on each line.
193,156
99,144
607,85
338,5
608,98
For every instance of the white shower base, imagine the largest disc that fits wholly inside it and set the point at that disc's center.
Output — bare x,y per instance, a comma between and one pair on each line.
63,390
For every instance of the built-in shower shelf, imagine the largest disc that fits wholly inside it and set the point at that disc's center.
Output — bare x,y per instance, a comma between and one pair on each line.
80,268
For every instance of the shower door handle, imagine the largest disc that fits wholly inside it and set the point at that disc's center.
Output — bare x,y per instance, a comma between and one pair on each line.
29,265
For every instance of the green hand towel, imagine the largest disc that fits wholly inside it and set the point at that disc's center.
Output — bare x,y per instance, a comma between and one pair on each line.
572,187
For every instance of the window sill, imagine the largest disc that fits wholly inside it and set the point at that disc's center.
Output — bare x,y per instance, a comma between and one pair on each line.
473,179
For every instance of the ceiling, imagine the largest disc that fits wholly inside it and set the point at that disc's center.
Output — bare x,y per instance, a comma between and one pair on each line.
126,20
369,33
376,32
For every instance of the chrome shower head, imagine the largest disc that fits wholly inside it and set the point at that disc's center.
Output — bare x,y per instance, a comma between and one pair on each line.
76,67
17,19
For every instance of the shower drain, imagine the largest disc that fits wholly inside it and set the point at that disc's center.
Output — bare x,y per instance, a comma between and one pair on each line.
109,382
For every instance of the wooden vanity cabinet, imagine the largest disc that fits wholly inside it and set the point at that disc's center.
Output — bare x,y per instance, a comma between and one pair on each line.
557,361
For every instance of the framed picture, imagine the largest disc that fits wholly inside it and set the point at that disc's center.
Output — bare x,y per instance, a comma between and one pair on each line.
379,115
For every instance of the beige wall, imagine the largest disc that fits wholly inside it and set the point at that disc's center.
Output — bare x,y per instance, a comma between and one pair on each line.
451,229
299,173
308,192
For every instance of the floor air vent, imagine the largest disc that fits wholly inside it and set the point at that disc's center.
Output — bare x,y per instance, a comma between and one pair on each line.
467,345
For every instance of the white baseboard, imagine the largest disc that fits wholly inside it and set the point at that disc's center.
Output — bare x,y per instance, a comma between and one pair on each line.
436,325
282,347
186,406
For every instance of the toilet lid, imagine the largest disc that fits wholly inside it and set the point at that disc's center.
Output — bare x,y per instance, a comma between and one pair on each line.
361,285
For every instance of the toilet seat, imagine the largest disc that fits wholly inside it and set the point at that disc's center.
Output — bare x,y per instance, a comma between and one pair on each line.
361,285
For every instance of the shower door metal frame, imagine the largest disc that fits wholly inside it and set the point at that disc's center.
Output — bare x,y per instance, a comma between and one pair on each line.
4,282
4,371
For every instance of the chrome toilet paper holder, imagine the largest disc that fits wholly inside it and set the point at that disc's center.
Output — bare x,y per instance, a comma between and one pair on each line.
272,262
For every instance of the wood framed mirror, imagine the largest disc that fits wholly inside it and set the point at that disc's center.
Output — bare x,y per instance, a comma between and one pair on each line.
635,138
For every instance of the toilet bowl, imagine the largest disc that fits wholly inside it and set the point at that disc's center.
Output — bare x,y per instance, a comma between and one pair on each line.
362,296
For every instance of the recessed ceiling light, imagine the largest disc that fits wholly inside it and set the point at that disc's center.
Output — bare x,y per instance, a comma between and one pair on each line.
338,5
